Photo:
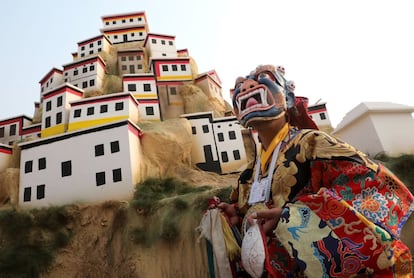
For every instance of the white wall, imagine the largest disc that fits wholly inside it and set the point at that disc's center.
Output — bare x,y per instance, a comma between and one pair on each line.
79,148
396,131
231,145
362,135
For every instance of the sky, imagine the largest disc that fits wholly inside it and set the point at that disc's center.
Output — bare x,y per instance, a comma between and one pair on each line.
338,52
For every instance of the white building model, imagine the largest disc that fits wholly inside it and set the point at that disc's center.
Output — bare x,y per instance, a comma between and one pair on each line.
85,146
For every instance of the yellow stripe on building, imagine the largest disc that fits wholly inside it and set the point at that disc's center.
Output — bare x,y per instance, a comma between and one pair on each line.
96,122
145,96
178,77
54,130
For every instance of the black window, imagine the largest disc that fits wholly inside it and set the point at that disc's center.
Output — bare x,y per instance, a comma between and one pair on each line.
193,130
48,105
104,108
205,128
123,58
91,44
90,111
13,129
220,137
90,51
149,110
116,175
132,87
75,72
99,150
1,131
224,157
114,146
323,116
84,70
59,101
58,118
47,122
163,42
40,191
232,135
91,82
100,178
42,163
84,84
183,67
27,194
173,90
236,154
91,67
154,41
174,67
66,168
99,42
170,43
77,113
147,87
28,166
119,106
164,68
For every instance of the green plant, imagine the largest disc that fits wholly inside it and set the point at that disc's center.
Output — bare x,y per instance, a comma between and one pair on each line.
30,239
170,228
148,193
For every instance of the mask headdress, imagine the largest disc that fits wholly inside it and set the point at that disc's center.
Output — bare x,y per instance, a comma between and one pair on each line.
265,95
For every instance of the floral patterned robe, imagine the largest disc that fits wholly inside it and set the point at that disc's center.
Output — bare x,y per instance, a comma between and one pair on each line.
342,214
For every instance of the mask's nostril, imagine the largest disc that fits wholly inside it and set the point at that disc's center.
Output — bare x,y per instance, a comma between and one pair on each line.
252,85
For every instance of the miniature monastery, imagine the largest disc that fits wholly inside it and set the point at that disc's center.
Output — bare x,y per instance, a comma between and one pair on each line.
83,144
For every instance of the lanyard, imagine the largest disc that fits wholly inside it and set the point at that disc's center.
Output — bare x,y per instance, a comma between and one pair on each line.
260,190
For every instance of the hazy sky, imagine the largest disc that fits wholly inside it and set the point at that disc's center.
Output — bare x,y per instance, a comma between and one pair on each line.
340,52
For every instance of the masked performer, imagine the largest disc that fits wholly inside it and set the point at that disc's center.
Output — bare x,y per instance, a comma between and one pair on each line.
325,208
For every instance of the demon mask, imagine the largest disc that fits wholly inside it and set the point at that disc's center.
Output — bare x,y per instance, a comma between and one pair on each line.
262,95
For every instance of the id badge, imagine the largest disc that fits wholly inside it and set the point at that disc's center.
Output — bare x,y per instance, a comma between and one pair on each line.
259,192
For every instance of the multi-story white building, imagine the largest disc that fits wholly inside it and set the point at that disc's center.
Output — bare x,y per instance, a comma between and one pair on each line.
56,108
89,165
51,80
11,129
143,87
131,61
124,28
86,74
96,111
320,116
210,84
93,46
160,46
217,143
172,69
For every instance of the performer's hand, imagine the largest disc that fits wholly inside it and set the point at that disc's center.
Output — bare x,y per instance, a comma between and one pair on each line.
230,211
268,218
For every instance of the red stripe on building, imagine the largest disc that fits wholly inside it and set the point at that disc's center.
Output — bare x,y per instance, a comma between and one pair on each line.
5,150
61,91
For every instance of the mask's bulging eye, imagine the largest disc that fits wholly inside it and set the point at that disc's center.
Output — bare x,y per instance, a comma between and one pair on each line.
263,75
